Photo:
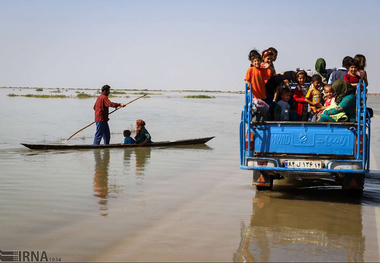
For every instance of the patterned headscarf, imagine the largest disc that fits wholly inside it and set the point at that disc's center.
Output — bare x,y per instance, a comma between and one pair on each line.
341,89
266,53
140,125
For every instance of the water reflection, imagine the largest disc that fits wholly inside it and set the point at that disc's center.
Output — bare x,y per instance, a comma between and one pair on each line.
135,164
103,189
286,229
142,156
102,159
142,159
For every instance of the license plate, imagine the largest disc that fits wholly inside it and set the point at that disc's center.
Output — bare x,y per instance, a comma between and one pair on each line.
303,164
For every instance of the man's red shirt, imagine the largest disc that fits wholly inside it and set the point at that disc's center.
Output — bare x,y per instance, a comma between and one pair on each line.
101,107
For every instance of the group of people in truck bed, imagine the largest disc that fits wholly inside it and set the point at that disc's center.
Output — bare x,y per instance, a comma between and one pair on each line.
330,96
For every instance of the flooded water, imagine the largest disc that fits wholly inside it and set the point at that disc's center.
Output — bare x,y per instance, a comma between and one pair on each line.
188,203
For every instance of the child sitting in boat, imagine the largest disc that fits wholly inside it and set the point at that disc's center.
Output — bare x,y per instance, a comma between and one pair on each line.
142,135
127,137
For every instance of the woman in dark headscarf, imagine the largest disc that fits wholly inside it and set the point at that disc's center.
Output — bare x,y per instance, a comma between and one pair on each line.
142,135
320,67
345,107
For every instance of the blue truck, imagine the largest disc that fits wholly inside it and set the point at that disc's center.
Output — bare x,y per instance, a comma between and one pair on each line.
275,150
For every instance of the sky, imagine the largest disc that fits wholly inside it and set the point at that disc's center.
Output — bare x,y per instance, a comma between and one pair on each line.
178,44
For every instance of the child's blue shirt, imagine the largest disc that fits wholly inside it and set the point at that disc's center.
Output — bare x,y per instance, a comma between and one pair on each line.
129,140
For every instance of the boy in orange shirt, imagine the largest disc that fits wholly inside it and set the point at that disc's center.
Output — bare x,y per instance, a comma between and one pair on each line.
256,76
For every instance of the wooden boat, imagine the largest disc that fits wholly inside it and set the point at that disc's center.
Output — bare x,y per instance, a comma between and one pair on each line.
35,146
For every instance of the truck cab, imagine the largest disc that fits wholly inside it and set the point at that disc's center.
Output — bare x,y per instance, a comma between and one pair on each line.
275,150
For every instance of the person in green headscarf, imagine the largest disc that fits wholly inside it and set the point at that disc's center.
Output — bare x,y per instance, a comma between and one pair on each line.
320,67
345,108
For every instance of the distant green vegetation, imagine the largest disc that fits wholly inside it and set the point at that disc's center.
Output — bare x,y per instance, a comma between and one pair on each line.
84,95
199,97
39,89
147,93
56,91
113,92
38,96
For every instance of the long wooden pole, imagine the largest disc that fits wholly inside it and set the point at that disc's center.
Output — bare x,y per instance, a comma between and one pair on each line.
109,113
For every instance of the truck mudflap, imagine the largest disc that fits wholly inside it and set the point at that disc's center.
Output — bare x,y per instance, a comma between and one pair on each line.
352,181
262,180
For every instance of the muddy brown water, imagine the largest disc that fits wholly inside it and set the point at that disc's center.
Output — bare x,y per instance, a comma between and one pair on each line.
188,203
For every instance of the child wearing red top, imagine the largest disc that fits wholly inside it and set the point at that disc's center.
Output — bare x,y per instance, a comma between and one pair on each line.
328,97
300,91
267,60
351,77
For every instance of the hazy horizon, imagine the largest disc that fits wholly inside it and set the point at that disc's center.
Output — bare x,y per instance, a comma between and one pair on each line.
176,45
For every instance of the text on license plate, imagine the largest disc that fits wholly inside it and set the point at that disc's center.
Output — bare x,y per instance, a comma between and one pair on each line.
303,164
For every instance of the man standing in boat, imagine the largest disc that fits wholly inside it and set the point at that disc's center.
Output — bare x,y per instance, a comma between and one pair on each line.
101,116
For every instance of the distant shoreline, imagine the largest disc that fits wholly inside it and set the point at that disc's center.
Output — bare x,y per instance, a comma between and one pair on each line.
140,90
148,90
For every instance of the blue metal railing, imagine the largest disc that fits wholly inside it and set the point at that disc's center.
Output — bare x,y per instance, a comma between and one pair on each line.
363,125
246,118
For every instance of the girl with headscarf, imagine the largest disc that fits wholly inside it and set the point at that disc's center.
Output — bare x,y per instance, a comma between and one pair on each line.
344,108
142,135
267,56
